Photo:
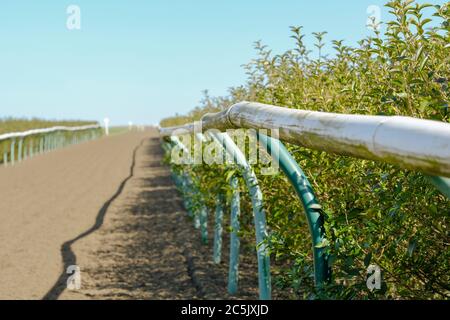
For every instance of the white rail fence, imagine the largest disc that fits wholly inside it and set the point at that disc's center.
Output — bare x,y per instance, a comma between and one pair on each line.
411,143
18,146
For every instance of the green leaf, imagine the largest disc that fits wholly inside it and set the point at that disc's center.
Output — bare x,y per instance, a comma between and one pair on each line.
411,247
424,61
230,175
324,243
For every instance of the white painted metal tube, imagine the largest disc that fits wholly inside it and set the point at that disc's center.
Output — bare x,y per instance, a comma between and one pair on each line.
23,134
412,143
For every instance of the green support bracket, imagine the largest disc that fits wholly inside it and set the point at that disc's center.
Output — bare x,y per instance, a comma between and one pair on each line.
13,151
5,158
218,229
20,150
233,272
442,184
312,209
31,149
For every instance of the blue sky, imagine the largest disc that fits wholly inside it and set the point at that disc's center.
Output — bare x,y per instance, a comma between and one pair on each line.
140,61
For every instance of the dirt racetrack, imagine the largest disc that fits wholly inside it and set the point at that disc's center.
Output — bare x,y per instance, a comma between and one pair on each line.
110,207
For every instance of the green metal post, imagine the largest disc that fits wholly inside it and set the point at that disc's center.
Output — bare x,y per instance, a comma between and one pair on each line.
41,145
233,272
31,149
5,158
186,189
45,143
13,151
20,150
25,149
442,184
218,229
312,209
204,224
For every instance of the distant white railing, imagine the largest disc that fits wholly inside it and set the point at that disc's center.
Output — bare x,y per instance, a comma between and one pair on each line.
12,135
38,141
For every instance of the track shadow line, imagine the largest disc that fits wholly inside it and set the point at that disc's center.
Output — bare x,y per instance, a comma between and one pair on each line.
68,256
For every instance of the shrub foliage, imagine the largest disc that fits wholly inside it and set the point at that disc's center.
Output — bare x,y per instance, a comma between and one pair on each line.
375,212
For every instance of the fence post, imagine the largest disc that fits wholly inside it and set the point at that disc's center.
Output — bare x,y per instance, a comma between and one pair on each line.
13,151
312,209
25,149
442,184
5,158
41,145
218,229
31,151
19,151
233,272
204,224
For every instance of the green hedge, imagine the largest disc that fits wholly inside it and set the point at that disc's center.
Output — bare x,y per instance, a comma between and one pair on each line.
375,212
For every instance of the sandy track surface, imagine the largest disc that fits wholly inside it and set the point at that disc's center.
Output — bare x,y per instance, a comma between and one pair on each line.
110,207
147,248
50,199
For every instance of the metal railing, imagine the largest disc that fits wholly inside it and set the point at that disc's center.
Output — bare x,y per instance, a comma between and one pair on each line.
410,143
18,146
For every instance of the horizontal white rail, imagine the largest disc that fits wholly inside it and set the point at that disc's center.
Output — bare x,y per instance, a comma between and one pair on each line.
24,134
409,142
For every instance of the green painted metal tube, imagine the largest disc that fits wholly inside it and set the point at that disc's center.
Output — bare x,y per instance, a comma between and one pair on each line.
20,150
13,151
5,158
25,150
442,184
311,206
218,230
259,216
204,224
45,143
233,272
31,149
41,145
187,188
